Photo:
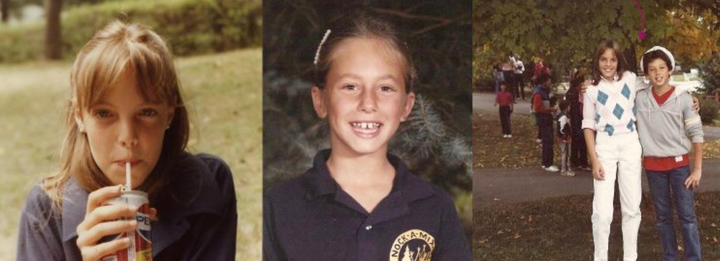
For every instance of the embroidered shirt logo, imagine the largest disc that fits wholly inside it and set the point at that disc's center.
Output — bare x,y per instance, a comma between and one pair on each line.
412,245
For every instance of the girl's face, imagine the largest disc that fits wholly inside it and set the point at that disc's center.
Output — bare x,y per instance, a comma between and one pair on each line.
364,97
608,64
658,72
122,127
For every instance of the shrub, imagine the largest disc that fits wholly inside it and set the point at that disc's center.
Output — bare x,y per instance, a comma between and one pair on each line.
708,110
189,26
710,75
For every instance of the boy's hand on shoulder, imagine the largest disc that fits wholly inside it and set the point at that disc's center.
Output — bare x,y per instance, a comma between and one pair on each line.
585,85
693,181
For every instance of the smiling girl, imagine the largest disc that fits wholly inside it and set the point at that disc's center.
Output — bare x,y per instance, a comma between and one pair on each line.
125,108
358,202
613,148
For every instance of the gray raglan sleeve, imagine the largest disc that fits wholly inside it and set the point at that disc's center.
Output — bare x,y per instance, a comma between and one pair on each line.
693,124
39,236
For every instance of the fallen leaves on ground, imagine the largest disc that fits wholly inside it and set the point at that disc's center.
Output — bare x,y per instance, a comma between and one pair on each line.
560,229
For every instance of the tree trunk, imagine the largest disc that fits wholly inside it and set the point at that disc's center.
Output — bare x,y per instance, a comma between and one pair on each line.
4,10
53,38
632,61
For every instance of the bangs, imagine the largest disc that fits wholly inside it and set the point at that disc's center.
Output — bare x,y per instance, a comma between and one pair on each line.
101,63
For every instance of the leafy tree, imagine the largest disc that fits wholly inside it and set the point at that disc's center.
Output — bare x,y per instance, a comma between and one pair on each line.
710,74
563,33
693,39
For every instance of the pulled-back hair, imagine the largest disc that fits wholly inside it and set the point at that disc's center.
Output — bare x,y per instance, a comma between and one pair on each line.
622,65
364,25
118,48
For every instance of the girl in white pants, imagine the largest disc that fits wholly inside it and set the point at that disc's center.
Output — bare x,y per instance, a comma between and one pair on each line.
615,152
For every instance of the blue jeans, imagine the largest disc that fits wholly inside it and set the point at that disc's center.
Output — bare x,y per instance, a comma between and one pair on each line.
662,183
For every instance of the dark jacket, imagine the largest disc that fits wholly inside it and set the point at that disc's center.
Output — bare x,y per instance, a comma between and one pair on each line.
311,218
197,217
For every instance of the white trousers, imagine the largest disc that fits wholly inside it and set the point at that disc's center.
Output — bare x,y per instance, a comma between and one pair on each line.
619,156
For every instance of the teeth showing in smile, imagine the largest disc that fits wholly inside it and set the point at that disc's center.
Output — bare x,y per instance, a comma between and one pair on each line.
366,125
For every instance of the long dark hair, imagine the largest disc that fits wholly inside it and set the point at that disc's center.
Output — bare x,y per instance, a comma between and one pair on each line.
622,63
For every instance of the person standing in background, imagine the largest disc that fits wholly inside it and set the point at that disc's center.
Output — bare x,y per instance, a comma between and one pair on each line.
519,81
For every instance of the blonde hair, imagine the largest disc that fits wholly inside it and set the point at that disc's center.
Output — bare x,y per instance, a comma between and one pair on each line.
364,25
113,50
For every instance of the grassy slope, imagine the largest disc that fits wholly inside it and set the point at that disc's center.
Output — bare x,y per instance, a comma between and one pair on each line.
223,93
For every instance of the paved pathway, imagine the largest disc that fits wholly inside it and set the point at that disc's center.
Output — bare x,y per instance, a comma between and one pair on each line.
493,186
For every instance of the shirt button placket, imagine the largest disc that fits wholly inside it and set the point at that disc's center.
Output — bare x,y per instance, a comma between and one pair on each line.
367,240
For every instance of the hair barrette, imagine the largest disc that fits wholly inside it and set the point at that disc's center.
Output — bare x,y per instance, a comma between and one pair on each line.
317,53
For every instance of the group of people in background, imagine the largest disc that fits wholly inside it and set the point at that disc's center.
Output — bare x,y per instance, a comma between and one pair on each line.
510,81
546,112
620,124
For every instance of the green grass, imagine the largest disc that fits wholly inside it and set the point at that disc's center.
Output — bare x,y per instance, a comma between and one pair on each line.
190,27
560,229
223,93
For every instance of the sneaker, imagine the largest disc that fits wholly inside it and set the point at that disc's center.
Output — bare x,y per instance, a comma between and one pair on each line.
538,141
552,169
504,136
509,135
568,173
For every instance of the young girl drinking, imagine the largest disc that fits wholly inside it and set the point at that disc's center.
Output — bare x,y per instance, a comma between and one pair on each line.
613,148
358,202
125,109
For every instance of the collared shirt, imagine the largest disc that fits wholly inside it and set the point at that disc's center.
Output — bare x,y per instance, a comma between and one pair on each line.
197,215
609,106
311,218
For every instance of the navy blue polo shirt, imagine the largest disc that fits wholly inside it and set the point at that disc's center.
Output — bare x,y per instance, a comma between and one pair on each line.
311,218
197,217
